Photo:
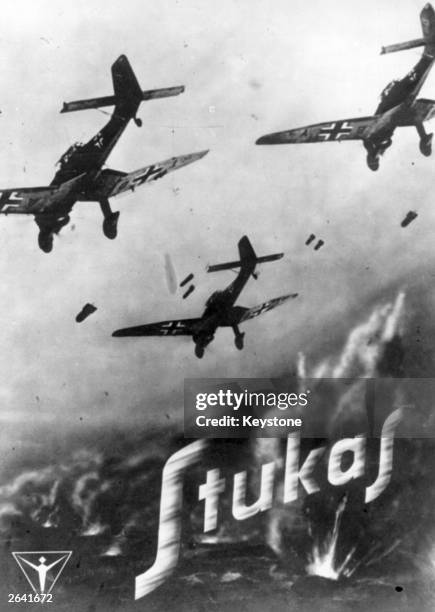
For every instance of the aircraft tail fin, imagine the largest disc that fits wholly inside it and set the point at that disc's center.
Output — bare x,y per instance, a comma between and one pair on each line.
427,19
126,87
248,258
125,83
246,252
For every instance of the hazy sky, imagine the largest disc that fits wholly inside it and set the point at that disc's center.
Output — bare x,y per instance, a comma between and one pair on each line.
250,67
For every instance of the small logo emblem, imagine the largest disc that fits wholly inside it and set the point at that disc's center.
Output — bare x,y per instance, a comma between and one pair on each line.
42,568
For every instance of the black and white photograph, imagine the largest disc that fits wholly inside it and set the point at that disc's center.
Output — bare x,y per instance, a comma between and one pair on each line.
217,263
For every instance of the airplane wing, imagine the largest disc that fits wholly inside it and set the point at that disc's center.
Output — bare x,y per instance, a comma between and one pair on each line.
24,201
345,129
250,313
178,327
37,200
112,182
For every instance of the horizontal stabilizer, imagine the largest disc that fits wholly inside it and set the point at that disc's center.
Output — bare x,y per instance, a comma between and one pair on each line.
151,94
225,266
410,44
427,20
237,264
167,92
68,107
270,258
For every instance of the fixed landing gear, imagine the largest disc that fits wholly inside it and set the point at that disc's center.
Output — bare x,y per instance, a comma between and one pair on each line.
375,150
238,341
238,337
425,140
110,223
201,340
48,226
45,241
199,351
426,145
373,162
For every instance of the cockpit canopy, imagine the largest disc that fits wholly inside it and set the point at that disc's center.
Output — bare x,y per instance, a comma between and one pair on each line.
388,88
68,154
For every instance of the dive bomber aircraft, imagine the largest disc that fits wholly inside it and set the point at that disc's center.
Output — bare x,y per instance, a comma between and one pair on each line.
81,176
219,309
398,107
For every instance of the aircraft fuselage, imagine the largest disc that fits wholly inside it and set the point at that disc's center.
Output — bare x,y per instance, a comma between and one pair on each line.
397,106
220,306
89,158
405,90
80,166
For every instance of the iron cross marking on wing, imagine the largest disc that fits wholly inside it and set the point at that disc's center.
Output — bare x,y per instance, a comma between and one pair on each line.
262,309
170,328
335,130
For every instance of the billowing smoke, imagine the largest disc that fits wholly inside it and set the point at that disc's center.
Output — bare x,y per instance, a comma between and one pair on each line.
364,346
343,538
89,494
